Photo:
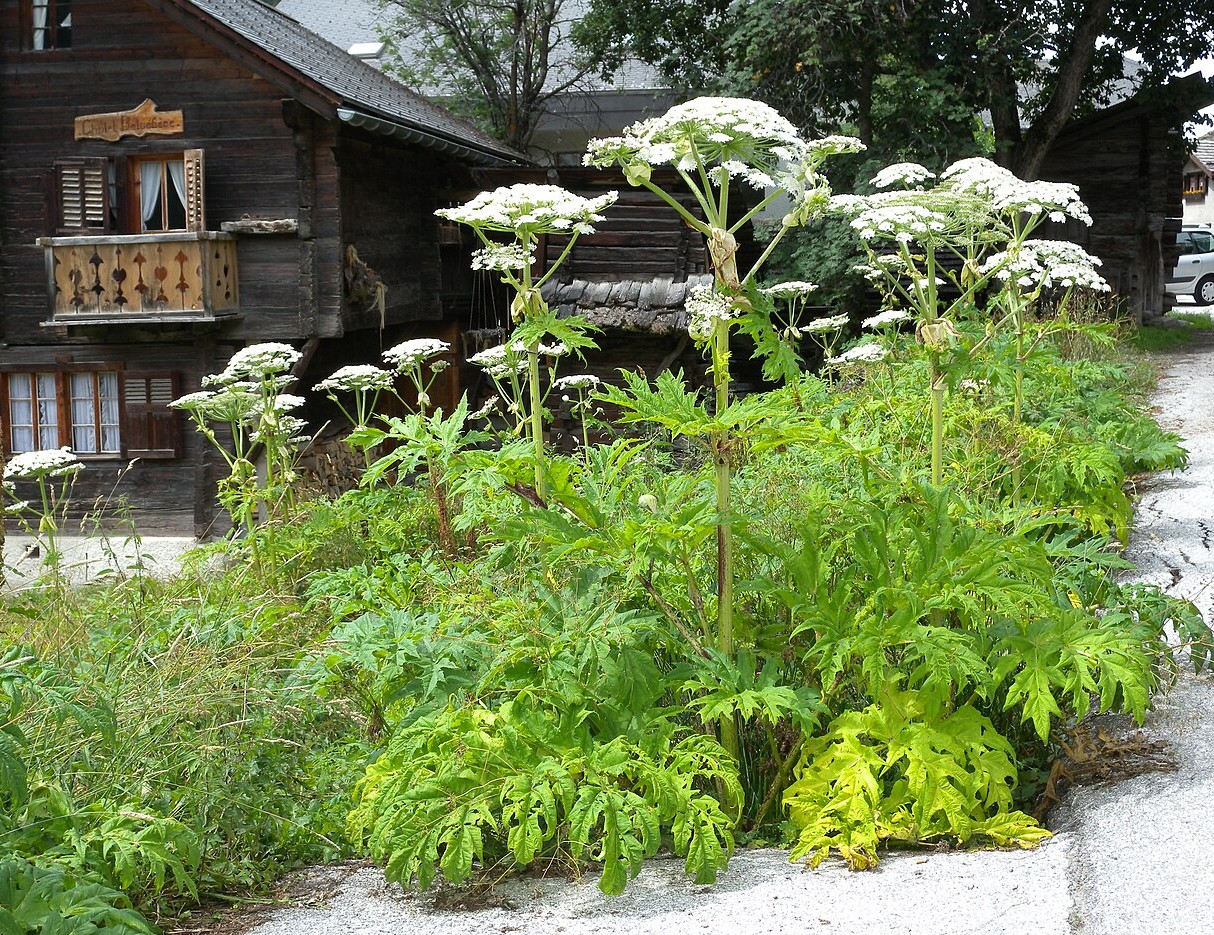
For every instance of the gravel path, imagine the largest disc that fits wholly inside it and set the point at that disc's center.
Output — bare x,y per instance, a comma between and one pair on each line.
1141,860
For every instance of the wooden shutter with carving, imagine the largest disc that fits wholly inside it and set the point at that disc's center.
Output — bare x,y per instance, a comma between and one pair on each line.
195,215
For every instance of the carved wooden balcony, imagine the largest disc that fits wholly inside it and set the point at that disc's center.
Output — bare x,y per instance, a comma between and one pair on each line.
141,278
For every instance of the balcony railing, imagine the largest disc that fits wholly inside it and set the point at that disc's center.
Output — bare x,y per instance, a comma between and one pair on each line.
132,278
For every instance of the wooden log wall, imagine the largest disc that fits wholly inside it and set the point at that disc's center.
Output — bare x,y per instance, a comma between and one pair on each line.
1128,169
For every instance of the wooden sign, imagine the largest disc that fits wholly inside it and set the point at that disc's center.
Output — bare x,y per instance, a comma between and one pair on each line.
141,121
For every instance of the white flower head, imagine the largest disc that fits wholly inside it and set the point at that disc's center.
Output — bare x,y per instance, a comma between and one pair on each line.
825,325
1047,264
258,361
499,361
483,413
531,209
858,355
793,289
409,354
193,401
355,378
732,137
903,175
503,257
885,319
705,307
36,465
1009,195
576,381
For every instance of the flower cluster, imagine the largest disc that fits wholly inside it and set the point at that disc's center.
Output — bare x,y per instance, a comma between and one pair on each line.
884,319
1047,264
500,361
860,354
824,325
1009,195
902,216
503,257
408,354
257,361
705,307
576,381
793,289
37,465
534,209
355,378
903,175
739,138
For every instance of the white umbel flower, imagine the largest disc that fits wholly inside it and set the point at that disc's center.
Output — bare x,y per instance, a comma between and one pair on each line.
409,354
35,465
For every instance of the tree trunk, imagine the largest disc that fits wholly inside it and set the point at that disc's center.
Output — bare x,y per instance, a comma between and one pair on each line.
1072,70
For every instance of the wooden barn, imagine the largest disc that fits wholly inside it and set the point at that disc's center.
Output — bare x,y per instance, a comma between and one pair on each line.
1126,160
182,178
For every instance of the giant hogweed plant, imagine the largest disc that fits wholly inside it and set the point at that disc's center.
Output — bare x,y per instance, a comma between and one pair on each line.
247,416
523,215
713,144
516,734
947,244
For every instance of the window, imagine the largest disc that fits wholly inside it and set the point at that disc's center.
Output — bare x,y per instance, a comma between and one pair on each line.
94,412
50,24
162,193
33,411
1195,183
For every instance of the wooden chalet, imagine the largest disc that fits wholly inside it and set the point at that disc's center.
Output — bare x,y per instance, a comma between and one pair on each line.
182,178
1126,161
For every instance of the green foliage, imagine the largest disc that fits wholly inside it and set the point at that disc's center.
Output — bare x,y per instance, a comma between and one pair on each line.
894,772
38,900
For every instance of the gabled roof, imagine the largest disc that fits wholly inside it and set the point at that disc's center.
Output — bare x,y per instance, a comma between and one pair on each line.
361,94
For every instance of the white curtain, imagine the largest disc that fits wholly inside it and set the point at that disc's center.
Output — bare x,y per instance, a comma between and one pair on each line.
177,175
107,386
48,412
21,411
84,429
150,176
40,7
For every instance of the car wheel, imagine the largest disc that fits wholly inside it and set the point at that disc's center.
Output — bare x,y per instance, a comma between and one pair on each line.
1204,293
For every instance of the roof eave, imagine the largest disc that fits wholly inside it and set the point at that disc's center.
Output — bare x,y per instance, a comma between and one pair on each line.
467,150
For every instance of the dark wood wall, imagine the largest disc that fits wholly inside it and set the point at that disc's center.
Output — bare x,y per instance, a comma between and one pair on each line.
273,150
1127,165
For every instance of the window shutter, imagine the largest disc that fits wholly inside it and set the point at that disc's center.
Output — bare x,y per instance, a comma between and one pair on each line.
195,216
152,429
84,194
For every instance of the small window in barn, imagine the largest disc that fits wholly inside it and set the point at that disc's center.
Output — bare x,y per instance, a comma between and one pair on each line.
80,410
50,24
167,192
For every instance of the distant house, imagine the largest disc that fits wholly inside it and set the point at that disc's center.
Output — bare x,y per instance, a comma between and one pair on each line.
1198,199
181,178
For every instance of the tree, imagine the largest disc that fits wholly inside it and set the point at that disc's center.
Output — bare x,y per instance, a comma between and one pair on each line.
495,61
1031,65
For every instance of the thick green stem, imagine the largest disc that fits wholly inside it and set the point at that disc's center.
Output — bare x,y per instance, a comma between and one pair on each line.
537,415
937,408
